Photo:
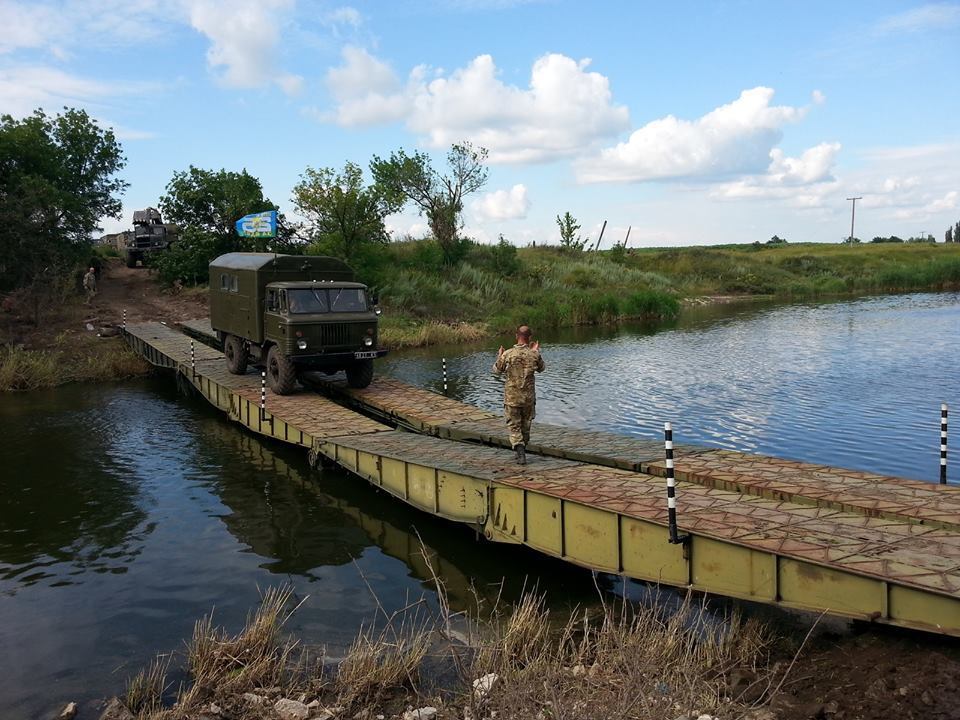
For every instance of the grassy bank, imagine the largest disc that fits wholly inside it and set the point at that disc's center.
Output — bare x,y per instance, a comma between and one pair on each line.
496,288
614,661
66,362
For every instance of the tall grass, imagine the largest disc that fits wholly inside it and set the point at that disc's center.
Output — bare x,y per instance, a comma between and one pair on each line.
108,359
617,660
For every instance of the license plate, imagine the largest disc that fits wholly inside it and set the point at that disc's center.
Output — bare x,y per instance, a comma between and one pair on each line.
365,355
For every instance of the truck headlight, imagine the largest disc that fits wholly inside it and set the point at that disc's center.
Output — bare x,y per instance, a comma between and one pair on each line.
368,341
302,344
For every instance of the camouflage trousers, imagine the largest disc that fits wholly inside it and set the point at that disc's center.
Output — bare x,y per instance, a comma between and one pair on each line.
519,418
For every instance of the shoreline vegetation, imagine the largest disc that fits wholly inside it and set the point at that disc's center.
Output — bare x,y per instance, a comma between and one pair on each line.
496,287
423,662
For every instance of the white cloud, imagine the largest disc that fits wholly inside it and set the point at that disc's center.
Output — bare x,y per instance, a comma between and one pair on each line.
24,89
345,15
934,16
814,165
33,25
366,90
732,139
509,204
244,35
564,109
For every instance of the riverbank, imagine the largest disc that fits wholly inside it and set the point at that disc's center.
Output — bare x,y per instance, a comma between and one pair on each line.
494,289
610,660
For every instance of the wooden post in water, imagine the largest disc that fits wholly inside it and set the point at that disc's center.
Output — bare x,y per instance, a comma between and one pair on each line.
943,444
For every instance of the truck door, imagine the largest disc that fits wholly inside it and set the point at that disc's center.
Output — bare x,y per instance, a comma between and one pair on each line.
274,326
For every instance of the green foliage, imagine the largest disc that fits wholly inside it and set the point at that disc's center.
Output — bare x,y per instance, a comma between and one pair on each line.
570,238
57,179
342,214
404,178
206,205
776,240
891,239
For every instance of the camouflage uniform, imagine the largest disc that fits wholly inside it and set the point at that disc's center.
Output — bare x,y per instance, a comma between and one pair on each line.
519,393
90,284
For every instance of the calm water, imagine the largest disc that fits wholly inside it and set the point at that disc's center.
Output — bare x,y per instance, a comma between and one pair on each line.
127,511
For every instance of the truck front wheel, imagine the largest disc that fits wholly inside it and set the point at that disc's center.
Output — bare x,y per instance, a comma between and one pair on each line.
281,373
360,374
236,353
131,260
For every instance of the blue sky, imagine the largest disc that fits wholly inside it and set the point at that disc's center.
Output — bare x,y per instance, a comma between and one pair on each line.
691,123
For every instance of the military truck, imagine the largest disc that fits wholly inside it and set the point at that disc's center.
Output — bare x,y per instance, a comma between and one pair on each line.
293,313
149,235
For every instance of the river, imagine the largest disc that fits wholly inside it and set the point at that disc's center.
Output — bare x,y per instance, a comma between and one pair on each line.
129,510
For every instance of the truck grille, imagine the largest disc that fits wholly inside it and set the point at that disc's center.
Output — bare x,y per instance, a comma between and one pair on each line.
335,334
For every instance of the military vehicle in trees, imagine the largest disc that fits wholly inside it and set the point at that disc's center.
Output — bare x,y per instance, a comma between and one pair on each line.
293,313
149,235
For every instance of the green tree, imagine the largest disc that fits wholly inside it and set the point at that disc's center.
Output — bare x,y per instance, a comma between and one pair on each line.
57,180
342,214
570,238
206,204
948,237
404,178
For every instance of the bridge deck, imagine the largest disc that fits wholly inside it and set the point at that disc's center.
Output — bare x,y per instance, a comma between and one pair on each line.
756,546
867,493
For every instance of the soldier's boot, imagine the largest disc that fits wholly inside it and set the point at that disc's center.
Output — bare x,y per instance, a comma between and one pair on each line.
521,452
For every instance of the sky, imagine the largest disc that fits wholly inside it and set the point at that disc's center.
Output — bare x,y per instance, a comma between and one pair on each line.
686,123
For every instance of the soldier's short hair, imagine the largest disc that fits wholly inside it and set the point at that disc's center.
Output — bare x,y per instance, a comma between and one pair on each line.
524,332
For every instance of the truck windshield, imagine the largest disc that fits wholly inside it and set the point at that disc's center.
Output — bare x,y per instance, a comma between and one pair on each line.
302,301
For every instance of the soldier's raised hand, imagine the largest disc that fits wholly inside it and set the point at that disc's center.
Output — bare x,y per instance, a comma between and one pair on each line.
500,351
535,345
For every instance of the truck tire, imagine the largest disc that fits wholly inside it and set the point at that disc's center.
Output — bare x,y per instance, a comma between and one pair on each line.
360,374
236,354
281,373
131,260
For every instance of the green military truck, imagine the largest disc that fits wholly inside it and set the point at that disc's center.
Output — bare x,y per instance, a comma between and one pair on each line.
293,313
149,235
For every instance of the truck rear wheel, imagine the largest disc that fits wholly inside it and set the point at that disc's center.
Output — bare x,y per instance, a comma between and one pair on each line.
281,373
360,374
236,353
131,260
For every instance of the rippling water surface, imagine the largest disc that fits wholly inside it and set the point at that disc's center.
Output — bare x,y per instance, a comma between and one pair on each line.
855,384
127,511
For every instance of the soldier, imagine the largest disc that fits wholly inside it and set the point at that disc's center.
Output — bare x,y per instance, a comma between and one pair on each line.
90,284
519,392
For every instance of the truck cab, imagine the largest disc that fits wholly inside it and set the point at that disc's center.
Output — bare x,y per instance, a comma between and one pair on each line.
292,314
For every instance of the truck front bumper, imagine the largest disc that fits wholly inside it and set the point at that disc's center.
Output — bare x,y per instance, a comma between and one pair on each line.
336,359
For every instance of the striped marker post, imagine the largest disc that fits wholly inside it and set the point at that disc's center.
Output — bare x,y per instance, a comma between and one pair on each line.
193,360
263,394
671,487
943,444
124,319
444,376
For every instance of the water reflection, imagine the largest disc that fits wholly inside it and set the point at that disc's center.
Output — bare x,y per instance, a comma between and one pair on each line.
69,497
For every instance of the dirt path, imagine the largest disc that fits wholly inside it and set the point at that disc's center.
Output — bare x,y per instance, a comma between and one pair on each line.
135,290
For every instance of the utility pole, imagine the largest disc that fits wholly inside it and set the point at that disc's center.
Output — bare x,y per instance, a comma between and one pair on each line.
853,214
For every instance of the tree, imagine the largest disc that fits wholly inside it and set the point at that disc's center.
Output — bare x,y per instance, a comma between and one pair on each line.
404,178
57,180
206,204
949,235
570,239
341,213
776,240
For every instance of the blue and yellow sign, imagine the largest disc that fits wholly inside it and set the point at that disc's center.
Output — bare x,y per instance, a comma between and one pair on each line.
258,225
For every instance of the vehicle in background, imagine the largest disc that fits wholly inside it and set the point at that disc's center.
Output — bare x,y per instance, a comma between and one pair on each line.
293,313
149,235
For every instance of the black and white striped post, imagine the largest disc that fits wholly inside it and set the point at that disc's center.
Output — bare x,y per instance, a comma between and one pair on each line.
675,537
193,360
444,376
124,319
943,444
263,394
